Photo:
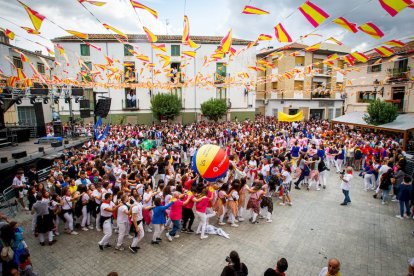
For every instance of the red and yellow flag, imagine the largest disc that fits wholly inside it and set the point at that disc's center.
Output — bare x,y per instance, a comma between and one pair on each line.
109,61
60,49
313,48
115,30
93,46
95,3
30,30
152,38
334,40
160,47
257,68
384,51
313,13
137,5
191,54
264,37
192,44
281,34
352,27
393,7
9,34
254,10
226,42
349,59
372,30
78,34
186,31
20,74
35,17
360,57
395,43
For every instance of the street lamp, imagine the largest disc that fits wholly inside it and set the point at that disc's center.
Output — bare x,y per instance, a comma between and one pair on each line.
376,85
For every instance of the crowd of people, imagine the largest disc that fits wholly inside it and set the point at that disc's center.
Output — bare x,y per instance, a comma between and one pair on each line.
126,185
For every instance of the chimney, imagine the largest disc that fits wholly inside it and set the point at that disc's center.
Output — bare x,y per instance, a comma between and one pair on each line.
38,52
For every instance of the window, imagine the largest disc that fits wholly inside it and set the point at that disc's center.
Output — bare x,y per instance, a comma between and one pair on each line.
275,112
274,85
372,67
175,50
89,65
366,96
221,93
86,76
298,85
275,62
85,50
131,98
293,111
221,71
41,68
175,72
319,65
299,61
128,50
338,112
17,61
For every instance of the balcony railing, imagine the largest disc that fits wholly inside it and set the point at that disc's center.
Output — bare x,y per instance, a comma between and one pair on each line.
398,74
130,105
320,94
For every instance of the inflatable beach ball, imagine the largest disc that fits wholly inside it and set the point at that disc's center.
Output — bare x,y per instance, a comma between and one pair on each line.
210,162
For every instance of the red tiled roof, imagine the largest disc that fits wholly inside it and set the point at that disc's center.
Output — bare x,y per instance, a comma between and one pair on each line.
292,46
140,37
406,49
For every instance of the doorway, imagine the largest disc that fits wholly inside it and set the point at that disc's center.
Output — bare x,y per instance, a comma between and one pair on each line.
398,94
316,114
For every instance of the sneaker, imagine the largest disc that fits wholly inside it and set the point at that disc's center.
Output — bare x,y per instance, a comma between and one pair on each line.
52,242
324,186
159,239
261,217
297,188
25,208
107,245
57,233
183,230
98,229
90,227
176,236
382,202
343,204
282,204
269,220
221,223
168,236
155,242
398,216
120,248
394,200
85,229
189,231
203,237
42,244
290,203
318,189
234,225
240,219
133,250
101,247
74,233
149,230
129,236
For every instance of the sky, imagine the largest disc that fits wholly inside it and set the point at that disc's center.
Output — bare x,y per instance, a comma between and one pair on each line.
209,17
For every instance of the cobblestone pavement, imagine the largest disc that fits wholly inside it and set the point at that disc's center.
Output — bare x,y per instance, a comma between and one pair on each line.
365,236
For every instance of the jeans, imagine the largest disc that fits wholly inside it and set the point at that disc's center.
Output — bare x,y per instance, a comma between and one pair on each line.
176,227
407,206
188,216
347,199
385,195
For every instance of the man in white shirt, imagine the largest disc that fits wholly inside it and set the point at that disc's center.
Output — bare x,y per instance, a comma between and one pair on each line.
122,222
265,168
83,180
333,268
97,196
107,208
18,186
137,224
346,185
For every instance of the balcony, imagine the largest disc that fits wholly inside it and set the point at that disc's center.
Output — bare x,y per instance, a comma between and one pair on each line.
320,93
399,74
130,105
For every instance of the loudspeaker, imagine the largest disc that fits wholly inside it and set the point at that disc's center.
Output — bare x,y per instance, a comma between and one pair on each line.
85,113
41,149
3,160
19,154
66,142
40,119
84,104
57,129
41,131
77,91
56,144
102,107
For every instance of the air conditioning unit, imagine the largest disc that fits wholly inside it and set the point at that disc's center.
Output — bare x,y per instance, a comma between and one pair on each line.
266,102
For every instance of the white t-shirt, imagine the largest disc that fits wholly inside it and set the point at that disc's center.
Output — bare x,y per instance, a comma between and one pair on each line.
105,206
265,169
96,194
122,217
346,185
86,180
67,204
287,176
85,197
137,211
324,271
145,198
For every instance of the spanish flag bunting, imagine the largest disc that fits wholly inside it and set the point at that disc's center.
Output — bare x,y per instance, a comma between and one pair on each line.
257,68
60,49
93,46
393,7
308,69
254,10
192,44
308,35
334,41
160,47
395,43
226,42
378,61
313,48
11,81
186,30
30,30
394,58
109,61
281,34
360,57
294,54
263,37
137,5
349,59
189,53
115,30
250,44
20,74
352,27
143,58
95,3
152,38
384,51
35,17
372,30
313,13
9,34
78,34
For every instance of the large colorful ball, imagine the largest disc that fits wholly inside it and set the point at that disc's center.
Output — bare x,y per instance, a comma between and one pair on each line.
210,162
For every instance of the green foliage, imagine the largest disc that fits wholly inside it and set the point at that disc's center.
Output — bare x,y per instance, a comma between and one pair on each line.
166,105
380,112
214,109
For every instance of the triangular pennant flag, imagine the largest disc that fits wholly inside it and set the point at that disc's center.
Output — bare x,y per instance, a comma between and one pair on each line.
35,17
352,27
137,5
115,30
281,34
372,30
254,10
313,13
152,38
78,34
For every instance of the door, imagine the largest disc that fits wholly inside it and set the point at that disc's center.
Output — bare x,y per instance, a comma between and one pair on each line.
26,115
293,111
398,97
316,114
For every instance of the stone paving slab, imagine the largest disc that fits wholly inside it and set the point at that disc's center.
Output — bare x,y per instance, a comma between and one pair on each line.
365,236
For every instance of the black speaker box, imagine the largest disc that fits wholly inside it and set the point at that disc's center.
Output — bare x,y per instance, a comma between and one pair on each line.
85,113
19,154
3,160
102,107
41,149
66,142
84,104
56,144
57,129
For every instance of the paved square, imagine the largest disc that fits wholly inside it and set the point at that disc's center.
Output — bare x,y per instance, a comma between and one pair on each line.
365,236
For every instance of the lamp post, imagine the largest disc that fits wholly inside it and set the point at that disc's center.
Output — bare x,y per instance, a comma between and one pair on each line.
376,85
195,83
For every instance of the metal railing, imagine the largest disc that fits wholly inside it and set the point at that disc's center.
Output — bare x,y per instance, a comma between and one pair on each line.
399,72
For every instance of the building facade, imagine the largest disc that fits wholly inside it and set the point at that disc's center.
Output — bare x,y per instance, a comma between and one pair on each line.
389,79
23,113
132,105
319,94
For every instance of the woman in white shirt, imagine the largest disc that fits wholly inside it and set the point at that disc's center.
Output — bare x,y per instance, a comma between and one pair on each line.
67,212
86,215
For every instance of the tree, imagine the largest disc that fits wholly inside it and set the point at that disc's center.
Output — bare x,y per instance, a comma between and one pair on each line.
166,106
380,112
214,109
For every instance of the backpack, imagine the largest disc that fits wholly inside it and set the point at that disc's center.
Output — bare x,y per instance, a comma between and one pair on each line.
358,154
7,254
78,207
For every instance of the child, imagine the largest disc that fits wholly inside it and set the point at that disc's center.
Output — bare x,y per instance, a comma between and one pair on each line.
158,219
19,246
25,265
